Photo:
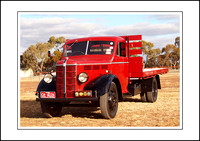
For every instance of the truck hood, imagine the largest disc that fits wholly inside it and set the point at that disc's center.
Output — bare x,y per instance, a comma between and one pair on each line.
87,59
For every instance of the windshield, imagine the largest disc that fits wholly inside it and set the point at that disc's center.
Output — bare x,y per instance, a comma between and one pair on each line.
88,48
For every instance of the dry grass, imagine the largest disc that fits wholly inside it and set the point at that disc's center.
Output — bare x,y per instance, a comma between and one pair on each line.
165,112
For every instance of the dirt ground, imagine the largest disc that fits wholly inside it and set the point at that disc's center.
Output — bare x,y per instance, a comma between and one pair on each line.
165,112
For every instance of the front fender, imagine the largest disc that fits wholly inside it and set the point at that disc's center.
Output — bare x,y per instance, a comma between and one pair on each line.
103,83
43,86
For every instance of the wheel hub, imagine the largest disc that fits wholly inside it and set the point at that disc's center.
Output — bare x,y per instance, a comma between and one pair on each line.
112,100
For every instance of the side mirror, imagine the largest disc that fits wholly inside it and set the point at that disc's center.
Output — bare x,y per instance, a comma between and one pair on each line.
49,53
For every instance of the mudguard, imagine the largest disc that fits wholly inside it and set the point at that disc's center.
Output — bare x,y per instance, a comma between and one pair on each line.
43,86
103,83
158,81
147,84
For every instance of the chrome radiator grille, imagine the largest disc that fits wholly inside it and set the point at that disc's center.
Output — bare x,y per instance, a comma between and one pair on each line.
70,81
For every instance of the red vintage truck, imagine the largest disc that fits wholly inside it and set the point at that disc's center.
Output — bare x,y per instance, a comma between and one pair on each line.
98,71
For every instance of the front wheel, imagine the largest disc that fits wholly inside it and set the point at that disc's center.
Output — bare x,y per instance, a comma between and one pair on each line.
50,109
109,102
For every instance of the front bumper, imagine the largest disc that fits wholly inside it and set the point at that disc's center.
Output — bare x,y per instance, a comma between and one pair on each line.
66,99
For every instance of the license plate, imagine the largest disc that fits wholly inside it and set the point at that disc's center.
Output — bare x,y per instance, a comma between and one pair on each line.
47,94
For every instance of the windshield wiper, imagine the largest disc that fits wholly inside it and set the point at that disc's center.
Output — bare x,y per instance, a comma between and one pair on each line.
73,43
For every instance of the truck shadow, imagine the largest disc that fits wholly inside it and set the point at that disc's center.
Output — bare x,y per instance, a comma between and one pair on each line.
130,99
32,109
82,112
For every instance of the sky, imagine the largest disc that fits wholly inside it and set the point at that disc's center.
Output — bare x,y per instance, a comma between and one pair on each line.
160,28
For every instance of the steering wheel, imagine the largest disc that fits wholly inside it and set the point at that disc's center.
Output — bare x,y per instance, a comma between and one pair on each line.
78,53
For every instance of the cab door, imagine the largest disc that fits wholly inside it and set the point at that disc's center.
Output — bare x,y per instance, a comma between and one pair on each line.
121,65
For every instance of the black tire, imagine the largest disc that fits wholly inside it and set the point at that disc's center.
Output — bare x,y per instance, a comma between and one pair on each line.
152,95
50,109
109,102
143,97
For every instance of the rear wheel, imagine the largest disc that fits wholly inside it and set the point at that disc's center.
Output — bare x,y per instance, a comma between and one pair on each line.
50,109
143,97
109,102
152,95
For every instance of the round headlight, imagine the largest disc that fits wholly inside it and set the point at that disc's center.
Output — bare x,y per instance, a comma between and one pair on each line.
48,78
83,77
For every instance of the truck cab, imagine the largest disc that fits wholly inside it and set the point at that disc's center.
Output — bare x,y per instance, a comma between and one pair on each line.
98,70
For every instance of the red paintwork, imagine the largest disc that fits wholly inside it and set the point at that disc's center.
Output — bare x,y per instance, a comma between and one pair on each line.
96,65
133,37
135,51
136,67
135,44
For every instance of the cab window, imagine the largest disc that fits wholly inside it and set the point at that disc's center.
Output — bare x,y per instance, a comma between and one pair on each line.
121,49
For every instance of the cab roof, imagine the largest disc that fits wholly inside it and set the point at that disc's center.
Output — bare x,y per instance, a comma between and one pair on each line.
100,38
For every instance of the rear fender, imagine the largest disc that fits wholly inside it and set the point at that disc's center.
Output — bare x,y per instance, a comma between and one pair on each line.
158,81
147,84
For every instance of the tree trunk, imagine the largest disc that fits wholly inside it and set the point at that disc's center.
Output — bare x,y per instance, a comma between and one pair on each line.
175,65
144,64
41,65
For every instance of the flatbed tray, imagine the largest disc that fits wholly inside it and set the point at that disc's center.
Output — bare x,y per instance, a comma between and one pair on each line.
154,71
